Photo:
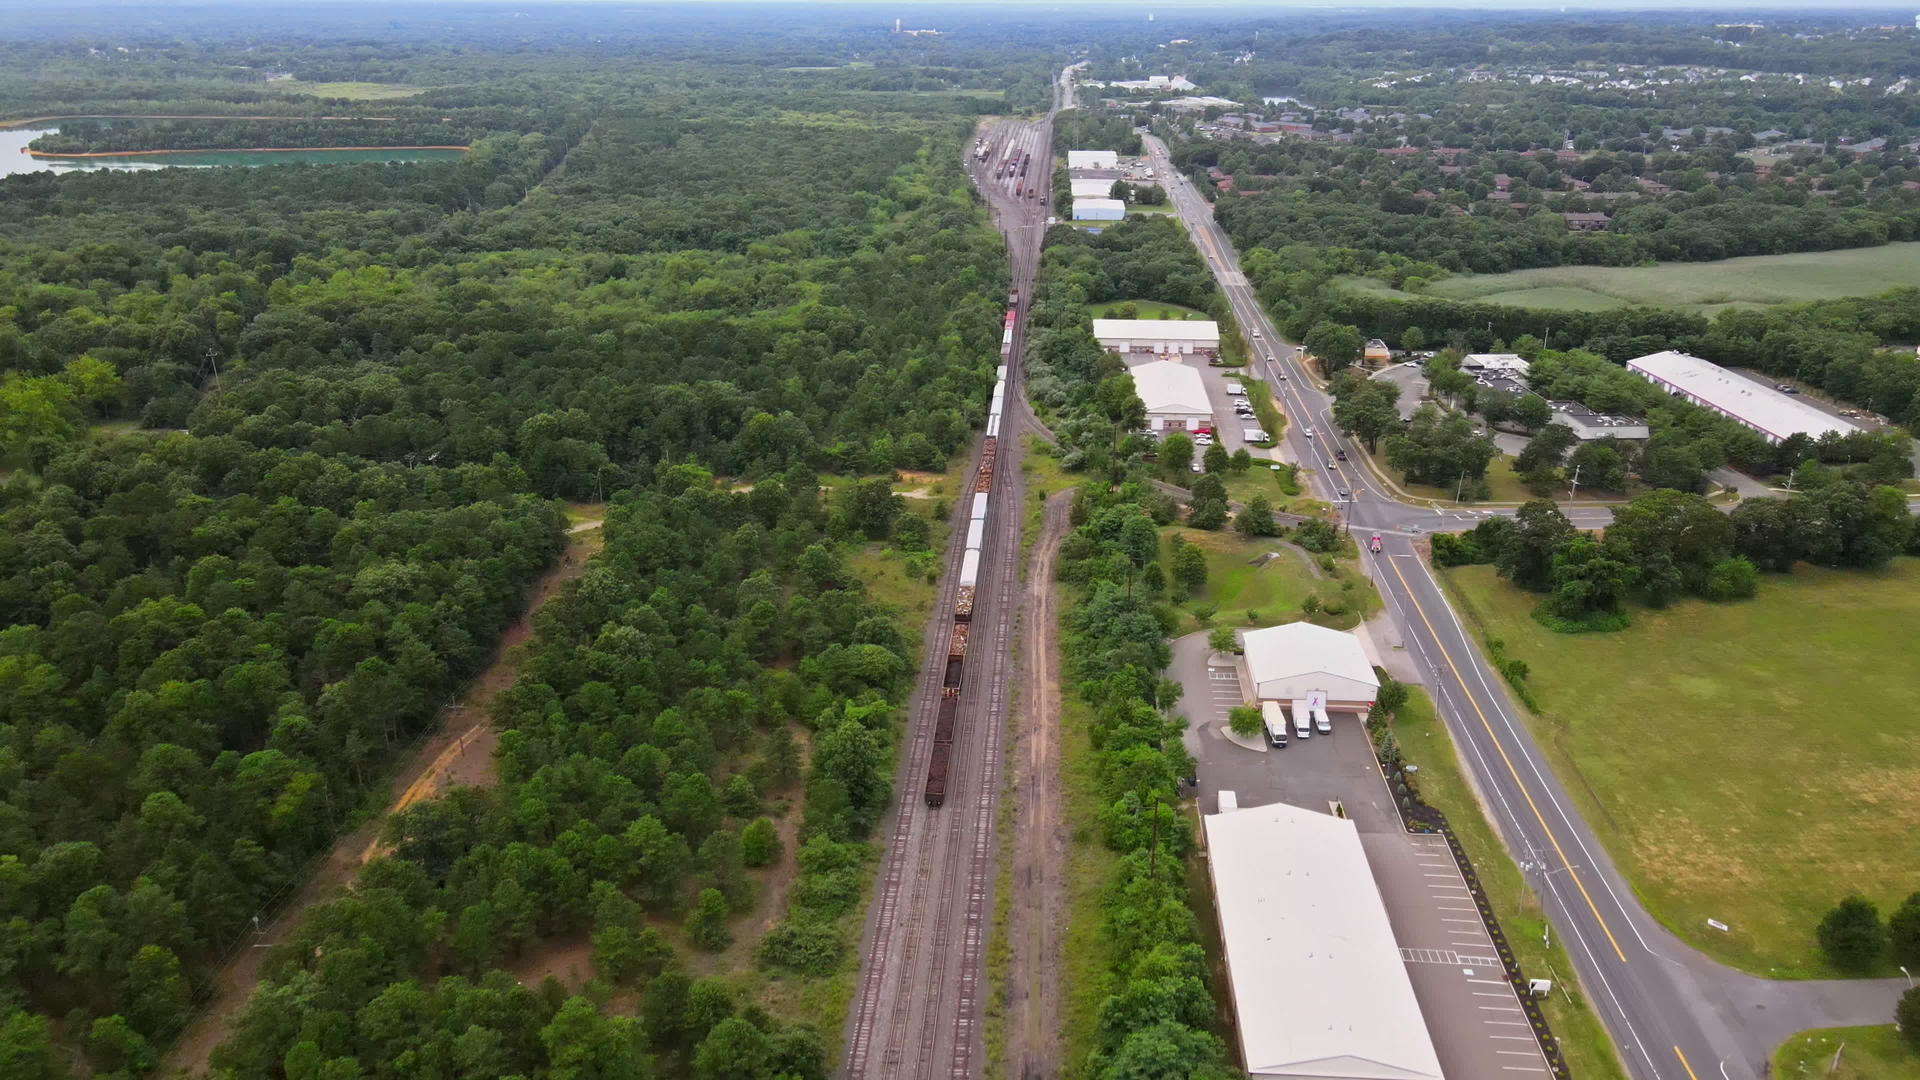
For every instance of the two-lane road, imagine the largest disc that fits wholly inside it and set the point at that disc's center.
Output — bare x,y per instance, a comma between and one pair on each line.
1672,1012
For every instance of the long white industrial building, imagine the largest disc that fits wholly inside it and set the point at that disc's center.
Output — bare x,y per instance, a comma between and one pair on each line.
1157,335
1775,415
1319,989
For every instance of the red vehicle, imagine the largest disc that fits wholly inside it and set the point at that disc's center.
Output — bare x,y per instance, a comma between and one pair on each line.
1374,544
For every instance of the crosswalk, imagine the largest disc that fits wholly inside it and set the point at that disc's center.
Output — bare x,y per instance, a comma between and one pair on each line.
1447,956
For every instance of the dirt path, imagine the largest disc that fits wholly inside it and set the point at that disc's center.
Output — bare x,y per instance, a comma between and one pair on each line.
460,752
1037,913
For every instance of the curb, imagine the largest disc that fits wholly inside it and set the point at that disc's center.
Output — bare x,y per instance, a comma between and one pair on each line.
1421,818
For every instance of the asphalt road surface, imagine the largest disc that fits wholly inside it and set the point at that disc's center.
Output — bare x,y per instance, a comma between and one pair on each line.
918,1004
1673,1013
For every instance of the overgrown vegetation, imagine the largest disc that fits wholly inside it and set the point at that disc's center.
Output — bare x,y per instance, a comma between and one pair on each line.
221,636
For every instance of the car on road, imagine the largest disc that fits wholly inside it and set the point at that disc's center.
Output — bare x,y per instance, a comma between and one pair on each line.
1340,455
1196,467
1256,333
1308,433
1347,495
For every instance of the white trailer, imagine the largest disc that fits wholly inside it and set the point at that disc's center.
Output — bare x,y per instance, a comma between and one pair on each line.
1229,802
970,567
979,506
976,532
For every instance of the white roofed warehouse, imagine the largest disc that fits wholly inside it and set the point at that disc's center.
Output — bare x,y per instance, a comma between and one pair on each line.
1098,209
1297,660
1091,188
1157,335
1319,989
1775,415
1093,159
1174,394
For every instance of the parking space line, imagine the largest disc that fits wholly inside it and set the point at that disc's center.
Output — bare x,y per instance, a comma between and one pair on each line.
1516,1053
1475,922
1498,1008
1489,982
1506,1023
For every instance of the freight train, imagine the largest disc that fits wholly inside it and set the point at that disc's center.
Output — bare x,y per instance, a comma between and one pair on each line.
947,719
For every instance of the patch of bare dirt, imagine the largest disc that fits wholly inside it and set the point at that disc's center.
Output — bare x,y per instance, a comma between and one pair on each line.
1037,911
568,959
459,753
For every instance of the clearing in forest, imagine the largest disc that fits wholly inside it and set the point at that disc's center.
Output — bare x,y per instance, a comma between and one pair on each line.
1750,762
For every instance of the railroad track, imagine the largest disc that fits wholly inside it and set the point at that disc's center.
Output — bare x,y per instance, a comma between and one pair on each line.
918,1008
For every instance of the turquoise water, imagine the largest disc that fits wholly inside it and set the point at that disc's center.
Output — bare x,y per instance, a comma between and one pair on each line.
13,142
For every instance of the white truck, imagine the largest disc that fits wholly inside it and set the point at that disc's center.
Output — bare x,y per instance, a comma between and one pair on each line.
1276,724
1229,802
1317,704
1302,719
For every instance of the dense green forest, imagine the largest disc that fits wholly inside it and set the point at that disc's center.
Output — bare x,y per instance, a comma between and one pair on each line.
364,387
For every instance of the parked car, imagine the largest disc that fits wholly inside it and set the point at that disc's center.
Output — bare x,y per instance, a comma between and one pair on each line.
1196,467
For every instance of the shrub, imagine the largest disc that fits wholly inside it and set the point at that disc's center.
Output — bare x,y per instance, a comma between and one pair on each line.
1732,579
707,924
1907,1015
759,843
1317,534
1852,935
807,946
1244,720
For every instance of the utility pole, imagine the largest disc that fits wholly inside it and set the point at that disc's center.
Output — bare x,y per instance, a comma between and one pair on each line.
1574,491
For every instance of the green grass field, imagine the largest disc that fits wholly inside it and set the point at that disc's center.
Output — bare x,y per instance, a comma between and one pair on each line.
352,91
1866,1053
1704,287
1424,742
1750,762
1246,595
1146,309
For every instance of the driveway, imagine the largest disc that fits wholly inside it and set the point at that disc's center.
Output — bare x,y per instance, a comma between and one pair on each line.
1472,1015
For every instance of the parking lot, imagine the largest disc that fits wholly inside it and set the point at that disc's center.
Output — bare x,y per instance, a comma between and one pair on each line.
1473,1017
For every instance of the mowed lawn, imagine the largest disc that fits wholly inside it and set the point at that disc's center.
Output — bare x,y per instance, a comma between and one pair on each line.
1707,286
1146,309
1749,762
1866,1053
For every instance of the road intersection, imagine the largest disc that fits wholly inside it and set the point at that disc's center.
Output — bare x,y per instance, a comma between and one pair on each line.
1672,1012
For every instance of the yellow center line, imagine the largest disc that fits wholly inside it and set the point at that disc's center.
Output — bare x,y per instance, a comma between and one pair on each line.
1566,863
1683,1063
